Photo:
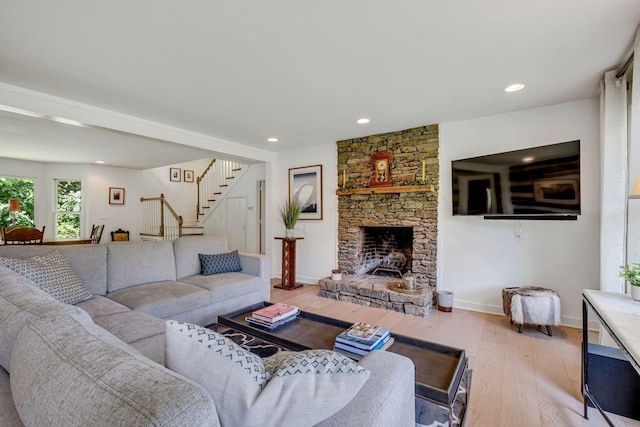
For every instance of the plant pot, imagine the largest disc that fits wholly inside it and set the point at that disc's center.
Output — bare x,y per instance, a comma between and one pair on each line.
445,301
635,292
289,233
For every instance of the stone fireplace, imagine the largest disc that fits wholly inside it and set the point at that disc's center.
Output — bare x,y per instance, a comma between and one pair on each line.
414,212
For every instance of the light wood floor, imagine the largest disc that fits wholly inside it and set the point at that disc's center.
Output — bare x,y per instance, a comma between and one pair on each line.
526,379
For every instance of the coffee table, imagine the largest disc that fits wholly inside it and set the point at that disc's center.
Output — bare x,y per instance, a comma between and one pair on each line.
440,369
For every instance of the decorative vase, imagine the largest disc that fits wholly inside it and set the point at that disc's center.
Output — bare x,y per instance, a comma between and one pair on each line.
408,280
635,292
336,274
289,233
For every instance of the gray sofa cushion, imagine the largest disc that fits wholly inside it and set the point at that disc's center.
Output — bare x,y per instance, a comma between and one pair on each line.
162,299
226,285
187,249
21,302
88,261
105,381
137,263
8,415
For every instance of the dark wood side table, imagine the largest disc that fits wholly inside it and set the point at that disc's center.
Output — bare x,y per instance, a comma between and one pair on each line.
288,263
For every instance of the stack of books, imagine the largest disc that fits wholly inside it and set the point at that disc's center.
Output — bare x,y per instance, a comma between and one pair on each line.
273,316
361,338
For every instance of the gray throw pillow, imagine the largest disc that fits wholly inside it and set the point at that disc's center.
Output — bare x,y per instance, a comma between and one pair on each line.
220,263
53,274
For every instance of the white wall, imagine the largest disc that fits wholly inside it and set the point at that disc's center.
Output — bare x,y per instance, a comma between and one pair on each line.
316,254
477,257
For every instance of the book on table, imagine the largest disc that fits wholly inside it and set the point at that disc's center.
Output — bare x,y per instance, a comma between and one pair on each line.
363,344
357,356
365,331
268,325
275,312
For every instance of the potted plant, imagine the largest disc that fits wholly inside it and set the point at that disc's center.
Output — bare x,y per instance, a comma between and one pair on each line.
632,275
290,213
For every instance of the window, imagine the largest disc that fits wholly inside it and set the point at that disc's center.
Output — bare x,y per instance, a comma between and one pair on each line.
21,190
68,208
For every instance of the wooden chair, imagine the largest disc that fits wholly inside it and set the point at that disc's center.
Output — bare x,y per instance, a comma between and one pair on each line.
119,235
16,235
96,233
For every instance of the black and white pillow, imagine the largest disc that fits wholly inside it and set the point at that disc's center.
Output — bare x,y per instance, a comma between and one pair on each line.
53,274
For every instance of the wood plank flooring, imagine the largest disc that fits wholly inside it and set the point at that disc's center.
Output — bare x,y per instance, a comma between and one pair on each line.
527,379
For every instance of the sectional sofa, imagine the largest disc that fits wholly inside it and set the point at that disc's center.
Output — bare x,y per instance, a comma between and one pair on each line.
102,361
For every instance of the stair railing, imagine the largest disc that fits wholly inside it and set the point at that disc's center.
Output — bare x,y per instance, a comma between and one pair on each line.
159,219
212,184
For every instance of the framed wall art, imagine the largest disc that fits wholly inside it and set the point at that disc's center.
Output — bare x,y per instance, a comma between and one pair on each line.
116,196
305,189
188,176
175,175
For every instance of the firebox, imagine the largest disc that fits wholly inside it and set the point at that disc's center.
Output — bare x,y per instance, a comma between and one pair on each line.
385,251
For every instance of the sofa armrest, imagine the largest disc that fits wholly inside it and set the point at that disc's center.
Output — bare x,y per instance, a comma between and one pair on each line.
260,266
386,399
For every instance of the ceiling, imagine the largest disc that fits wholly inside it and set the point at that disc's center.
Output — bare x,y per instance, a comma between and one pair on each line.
300,71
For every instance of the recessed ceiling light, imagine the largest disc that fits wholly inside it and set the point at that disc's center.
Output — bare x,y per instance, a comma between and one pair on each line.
528,159
100,162
272,139
514,87
363,121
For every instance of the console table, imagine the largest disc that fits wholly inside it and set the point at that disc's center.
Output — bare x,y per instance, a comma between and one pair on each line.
619,314
288,263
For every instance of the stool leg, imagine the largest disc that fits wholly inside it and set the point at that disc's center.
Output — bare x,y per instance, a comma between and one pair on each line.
520,328
549,331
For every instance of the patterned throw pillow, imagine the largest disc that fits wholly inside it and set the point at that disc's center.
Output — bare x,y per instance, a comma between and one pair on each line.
282,390
220,263
53,274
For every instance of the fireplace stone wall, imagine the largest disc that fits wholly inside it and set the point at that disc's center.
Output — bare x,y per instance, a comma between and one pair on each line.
417,210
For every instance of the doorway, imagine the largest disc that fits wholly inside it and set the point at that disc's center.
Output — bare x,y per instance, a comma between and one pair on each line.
237,223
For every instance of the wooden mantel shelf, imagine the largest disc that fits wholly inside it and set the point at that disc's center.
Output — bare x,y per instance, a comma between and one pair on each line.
387,190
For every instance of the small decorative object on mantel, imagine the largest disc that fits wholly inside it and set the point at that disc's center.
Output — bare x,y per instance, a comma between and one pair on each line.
408,280
336,274
381,168
290,213
632,275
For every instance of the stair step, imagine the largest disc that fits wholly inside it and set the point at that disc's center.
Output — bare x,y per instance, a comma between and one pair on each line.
211,200
230,177
217,192
236,169
223,185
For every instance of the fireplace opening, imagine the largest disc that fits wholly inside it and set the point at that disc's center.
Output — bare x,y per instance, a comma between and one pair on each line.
385,251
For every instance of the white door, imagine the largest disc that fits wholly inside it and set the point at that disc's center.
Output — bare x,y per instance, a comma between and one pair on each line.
237,223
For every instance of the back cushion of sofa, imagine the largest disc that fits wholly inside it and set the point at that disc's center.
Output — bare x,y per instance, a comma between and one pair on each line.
137,263
187,249
88,261
66,371
20,303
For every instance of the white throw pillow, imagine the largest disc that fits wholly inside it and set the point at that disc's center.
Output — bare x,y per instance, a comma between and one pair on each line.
53,274
286,389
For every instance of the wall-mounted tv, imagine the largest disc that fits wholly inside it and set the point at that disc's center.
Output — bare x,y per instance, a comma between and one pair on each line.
535,182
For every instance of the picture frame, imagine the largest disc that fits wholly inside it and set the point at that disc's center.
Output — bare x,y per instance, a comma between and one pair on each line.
188,176
557,191
175,174
116,196
305,189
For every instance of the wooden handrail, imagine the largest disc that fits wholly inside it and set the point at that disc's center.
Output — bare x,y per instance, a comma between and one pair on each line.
164,203
200,178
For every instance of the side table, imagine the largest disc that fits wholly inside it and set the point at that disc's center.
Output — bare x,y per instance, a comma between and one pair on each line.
288,263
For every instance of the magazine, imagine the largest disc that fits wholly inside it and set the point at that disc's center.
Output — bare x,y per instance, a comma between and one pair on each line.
345,338
356,356
362,330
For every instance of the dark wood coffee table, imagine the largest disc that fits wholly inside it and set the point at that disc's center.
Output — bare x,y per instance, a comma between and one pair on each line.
439,369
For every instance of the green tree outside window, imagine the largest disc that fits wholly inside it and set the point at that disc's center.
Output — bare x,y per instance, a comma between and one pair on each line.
22,190
68,208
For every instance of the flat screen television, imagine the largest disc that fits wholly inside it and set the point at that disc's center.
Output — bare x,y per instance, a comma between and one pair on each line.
535,182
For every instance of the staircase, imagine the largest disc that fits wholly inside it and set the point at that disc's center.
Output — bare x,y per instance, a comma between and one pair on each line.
160,220
214,184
